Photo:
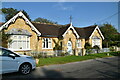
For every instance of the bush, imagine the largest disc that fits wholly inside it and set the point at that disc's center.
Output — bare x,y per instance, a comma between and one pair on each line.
87,46
39,55
112,48
62,54
88,51
115,53
97,48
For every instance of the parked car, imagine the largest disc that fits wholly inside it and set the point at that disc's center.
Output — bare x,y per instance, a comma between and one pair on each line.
13,62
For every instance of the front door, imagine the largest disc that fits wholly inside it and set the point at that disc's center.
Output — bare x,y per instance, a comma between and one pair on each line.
69,47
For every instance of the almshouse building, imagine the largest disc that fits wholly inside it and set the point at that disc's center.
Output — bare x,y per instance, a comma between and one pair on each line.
29,36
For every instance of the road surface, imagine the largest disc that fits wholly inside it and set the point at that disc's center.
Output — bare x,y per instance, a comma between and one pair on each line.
94,68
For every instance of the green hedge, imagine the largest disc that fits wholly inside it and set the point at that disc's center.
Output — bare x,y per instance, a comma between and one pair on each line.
115,53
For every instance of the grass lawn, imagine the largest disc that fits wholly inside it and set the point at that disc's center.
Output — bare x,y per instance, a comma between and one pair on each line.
67,59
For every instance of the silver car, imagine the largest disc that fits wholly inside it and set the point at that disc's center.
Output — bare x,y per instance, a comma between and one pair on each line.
13,62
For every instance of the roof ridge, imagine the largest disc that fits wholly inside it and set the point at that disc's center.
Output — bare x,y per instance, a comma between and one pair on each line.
45,23
86,27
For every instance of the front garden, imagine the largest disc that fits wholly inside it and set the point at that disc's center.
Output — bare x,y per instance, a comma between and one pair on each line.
68,59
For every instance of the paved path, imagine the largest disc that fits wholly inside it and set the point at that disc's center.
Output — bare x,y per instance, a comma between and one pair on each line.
95,68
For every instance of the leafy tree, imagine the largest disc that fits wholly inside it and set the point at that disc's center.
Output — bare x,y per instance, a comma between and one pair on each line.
4,39
88,47
108,31
10,12
42,20
58,46
112,38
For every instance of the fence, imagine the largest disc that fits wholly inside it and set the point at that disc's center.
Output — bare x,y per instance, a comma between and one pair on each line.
49,53
92,51
117,49
64,53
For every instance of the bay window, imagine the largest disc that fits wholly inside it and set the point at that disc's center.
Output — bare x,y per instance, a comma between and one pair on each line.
19,42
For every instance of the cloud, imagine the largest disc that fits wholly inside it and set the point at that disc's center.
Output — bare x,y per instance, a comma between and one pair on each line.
62,1
61,6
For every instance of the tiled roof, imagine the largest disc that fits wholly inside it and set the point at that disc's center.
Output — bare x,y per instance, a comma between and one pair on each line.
86,31
54,30
50,30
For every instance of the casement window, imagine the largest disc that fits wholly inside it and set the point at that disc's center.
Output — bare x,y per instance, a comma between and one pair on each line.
19,42
47,43
95,41
78,43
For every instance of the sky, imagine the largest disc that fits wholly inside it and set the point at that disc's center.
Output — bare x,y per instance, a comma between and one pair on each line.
83,13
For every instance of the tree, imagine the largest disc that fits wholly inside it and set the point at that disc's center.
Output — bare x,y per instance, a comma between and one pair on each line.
42,20
58,46
111,35
88,47
10,12
4,39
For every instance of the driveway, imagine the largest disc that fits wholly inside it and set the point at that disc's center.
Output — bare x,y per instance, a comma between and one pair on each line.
94,68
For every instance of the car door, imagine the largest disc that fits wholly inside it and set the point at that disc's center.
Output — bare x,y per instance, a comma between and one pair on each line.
9,64
0,61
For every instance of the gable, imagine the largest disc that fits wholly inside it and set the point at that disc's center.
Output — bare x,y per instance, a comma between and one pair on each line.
87,32
70,34
13,19
19,28
74,31
97,32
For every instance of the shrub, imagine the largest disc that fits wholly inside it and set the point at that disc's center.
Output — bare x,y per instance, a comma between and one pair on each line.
39,54
62,54
97,48
87,46
112,48
115,53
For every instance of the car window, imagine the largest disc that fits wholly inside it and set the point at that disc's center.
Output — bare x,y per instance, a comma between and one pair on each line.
4,52
0,52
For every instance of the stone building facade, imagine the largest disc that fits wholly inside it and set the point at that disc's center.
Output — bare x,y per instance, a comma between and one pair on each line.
28,36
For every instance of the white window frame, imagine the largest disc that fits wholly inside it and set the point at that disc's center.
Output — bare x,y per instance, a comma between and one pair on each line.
46,43
23,42
79,43
96,41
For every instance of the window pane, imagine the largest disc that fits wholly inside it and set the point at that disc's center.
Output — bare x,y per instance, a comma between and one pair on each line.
43,43
46,42
19,42
50,43
96,42
78,43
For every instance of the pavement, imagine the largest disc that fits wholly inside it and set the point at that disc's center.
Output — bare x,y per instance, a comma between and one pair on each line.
95,68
